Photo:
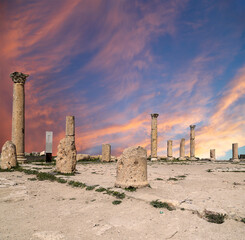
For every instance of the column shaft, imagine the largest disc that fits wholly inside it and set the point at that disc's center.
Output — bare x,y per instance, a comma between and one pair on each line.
154,136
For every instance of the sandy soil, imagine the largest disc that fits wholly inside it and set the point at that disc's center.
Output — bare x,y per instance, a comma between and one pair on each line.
50,210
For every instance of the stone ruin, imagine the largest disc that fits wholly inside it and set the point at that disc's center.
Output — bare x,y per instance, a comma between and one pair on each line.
67,155
106,153
8,156
132,168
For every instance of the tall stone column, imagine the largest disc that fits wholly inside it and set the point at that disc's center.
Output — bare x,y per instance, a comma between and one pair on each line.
154,136
70,127
192,143
182,150
170,150
235,152
106,153
18,115
212,155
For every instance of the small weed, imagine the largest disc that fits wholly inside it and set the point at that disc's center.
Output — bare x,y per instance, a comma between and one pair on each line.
100,189
159,179
77,184
116,202
61,180
215,218
94,172
243,220
41,176
159,204
89,188
173,179
115,194
32,179
130,189
72,198
209,170
65,174
181,176
182,209
6,170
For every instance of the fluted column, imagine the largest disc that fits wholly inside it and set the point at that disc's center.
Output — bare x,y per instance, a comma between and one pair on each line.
235,152
192,142
18,115
154,136
182,149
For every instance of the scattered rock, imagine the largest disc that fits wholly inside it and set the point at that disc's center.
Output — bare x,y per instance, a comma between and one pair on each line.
8,156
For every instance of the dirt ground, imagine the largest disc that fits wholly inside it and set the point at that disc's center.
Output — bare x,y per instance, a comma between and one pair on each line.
40,210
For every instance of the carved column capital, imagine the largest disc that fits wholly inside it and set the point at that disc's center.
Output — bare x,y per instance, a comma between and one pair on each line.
154,115
18,77
192,126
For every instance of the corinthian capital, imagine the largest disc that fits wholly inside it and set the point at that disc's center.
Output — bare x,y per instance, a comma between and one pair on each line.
154,115
19,77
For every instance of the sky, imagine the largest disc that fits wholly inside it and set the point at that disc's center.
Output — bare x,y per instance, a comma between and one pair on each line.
113,63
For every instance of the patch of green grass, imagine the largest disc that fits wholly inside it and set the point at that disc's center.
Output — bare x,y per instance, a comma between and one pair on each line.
130,189
94,172
182,209
159,204
32,179
100,189
159,179
72,198
215,218
77,184
243,220
89,188
115,194
61,180
173,179
6,170
41,176
65,174
116,202
181,176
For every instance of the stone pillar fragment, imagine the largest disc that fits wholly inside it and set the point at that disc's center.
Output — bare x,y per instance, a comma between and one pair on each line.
70,127
18,115
212,155
106,153
235,152
67,155
182,150
154,136
8,156
192,143
169,150
132,168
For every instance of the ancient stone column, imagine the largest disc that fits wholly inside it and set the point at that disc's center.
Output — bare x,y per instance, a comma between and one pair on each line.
70,127
169,150
182,150
132,168
18,115
235,152
106,153
192,142
212,155
154,136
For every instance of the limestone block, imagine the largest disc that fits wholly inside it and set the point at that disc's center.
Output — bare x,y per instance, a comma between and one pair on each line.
8,156
66,156
83,157
212,154
106,153
132,168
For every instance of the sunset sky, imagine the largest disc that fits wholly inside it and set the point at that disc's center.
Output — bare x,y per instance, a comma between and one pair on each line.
111,63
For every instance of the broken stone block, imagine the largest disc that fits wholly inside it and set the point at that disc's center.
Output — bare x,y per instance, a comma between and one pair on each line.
8,156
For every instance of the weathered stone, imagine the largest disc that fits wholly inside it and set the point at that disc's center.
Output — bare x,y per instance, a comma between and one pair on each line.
83,157
132,168
96,157
192,143
8,156
113,158
154,136
235,152
182,150
18,115
66,156
70,126
169,150
106,153
212,155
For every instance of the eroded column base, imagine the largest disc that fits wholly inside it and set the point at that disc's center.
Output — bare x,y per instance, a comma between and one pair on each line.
182,158
170,158
154,159
235,160
192,159
131,184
